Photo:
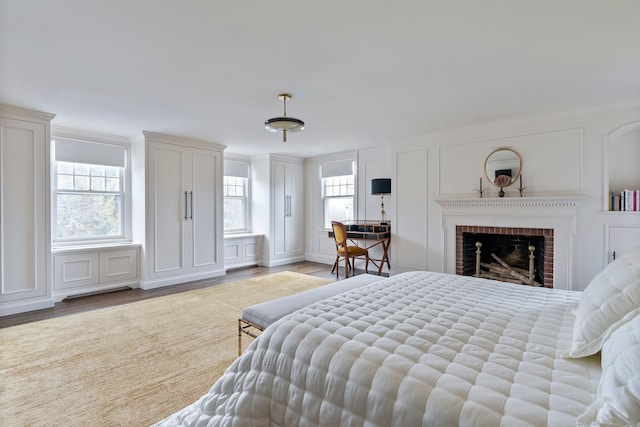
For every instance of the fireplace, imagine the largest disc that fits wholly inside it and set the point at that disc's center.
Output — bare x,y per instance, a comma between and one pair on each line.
505,254
553,218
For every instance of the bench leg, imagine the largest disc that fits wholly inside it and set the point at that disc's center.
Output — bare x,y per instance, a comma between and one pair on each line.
239,337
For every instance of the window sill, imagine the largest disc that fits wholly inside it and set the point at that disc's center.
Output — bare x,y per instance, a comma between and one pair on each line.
91,247
240,235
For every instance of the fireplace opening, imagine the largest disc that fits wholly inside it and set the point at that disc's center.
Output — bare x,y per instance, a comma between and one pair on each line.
505,254
513,251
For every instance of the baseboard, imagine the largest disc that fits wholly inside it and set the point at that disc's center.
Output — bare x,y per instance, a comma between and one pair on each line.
7,309
281,262
159,283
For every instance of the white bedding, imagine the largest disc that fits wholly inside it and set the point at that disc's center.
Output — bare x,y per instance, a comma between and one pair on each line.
415,349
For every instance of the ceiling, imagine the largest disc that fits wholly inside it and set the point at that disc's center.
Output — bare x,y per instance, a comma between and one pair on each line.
362,74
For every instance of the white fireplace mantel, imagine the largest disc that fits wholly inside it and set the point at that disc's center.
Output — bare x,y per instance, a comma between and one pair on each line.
557,213
501,205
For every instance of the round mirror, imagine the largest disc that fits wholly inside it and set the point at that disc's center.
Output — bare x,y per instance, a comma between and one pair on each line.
502,167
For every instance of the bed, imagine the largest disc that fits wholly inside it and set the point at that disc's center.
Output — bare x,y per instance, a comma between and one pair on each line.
435,349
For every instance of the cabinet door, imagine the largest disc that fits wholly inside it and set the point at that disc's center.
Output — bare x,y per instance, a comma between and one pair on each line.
22,210
202,242
288,209
118,266
622,238
168,203
280,207
76,270
295,226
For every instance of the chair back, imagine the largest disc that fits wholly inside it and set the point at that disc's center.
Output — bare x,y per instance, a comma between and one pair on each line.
339,233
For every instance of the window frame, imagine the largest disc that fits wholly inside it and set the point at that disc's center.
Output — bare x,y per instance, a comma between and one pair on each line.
334,166
124,192
247,196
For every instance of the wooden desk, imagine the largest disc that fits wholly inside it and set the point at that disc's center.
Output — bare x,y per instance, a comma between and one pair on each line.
372,234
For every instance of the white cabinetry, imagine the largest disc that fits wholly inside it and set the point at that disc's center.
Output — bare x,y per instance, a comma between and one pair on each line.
278,207
621,150
184,228
24,210
242,250
82,271
621,239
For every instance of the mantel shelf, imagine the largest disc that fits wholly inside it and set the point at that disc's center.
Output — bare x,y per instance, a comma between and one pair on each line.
510,202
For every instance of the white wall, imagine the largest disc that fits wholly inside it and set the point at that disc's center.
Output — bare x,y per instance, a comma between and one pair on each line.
562,155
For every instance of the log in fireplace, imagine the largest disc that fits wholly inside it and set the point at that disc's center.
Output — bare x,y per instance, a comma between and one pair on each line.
505,253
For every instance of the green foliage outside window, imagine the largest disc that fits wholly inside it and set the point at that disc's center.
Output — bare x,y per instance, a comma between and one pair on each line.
88,201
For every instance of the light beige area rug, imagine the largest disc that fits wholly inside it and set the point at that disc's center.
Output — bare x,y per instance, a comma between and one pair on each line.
129,365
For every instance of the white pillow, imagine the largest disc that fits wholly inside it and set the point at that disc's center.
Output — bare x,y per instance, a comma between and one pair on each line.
611,299
618,400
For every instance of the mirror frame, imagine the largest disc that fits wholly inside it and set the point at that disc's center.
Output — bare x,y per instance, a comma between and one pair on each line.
513,178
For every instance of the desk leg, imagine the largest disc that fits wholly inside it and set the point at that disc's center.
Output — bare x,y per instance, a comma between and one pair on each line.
385,256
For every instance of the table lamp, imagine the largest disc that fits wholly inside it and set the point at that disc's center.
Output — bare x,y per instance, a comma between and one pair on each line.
381,186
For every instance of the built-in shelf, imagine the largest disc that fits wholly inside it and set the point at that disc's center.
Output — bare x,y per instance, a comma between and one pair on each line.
620,152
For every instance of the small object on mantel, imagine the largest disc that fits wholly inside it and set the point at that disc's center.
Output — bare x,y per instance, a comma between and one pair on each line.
521,188
480,190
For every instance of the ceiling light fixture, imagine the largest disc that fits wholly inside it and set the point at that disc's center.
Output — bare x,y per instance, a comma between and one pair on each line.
284,124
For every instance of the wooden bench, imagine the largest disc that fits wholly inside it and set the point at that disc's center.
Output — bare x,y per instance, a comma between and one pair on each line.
256,318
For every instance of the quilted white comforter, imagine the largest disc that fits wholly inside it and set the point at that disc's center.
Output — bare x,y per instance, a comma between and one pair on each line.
415,349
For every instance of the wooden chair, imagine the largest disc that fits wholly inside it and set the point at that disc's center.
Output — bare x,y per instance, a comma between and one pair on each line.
348,252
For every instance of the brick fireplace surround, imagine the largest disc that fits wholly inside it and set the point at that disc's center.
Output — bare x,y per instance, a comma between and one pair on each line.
547,233
555,215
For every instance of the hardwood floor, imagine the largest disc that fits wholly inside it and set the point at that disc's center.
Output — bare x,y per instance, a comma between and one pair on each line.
93,302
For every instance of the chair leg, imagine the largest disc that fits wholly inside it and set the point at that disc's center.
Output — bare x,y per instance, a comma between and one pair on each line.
346,267
335,263
366,264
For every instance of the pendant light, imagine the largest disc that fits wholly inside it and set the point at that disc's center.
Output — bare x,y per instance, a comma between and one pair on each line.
284,124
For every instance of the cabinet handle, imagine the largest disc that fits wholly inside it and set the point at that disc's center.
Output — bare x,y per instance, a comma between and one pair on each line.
191,215
185,206
614,255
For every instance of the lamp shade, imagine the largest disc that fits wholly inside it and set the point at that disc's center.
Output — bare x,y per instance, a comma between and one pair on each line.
289,124
381,186
284,123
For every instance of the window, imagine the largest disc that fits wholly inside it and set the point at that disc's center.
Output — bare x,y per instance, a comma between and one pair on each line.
338,191
236,192
89,191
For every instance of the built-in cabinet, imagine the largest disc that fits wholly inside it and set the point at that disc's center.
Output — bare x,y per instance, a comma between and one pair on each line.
242,250
621,151
621,239
278,207
81,271
24,210
183,211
